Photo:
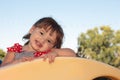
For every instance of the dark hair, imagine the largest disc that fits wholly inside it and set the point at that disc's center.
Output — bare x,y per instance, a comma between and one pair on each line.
49,24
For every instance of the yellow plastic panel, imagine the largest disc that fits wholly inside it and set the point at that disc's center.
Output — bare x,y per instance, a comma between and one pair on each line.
64,68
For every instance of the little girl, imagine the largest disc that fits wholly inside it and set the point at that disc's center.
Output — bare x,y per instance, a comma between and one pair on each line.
44,40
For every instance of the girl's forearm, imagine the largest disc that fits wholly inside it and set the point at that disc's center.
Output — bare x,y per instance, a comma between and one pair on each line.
65,52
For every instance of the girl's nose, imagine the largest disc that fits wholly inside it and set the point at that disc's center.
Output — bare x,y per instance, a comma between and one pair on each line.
42,40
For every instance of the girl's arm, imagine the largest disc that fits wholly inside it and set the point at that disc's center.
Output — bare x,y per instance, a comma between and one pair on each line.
65,52
8,58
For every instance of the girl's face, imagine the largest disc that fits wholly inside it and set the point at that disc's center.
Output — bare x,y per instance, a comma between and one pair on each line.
41,39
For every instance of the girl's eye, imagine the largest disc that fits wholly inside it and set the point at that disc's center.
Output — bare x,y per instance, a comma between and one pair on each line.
49,41
41,33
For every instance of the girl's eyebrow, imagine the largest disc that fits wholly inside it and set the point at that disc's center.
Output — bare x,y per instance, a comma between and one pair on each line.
43,30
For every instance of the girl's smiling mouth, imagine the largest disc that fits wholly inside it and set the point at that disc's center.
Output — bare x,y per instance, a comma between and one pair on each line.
38,44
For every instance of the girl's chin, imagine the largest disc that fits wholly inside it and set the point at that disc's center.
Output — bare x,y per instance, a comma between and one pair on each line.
39,50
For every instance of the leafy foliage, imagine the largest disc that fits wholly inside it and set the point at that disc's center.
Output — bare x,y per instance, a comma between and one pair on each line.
100,44
2,54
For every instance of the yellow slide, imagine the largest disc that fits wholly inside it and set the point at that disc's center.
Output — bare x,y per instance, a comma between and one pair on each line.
64,68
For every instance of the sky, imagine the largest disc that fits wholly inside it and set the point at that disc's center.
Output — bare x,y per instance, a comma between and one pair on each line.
75,17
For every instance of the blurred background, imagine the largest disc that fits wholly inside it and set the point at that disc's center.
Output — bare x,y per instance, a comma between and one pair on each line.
75,17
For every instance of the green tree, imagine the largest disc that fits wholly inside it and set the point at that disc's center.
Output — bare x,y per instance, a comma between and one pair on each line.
2,54
100,44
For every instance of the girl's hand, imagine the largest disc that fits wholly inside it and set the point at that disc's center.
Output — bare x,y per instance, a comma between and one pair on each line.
51,56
